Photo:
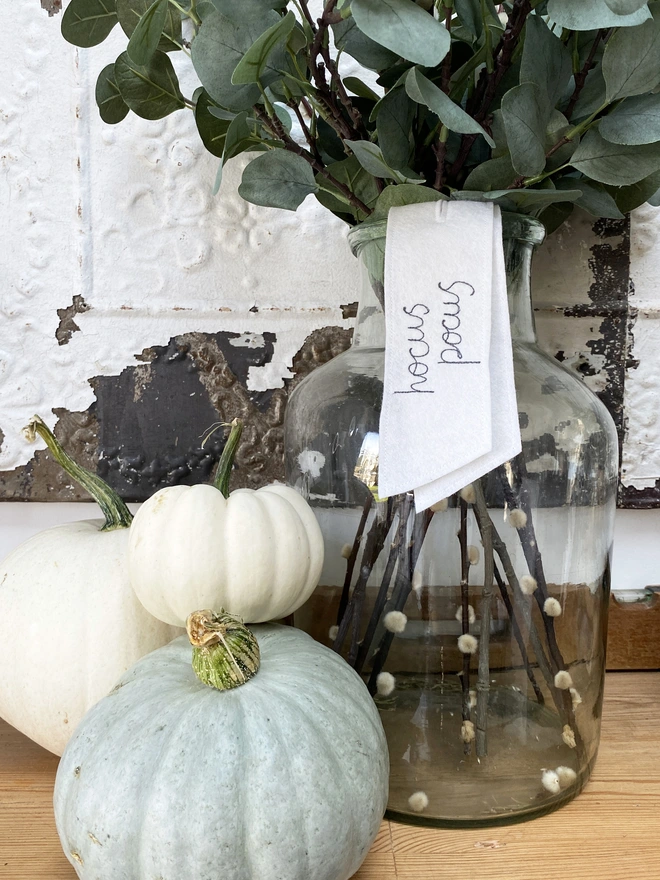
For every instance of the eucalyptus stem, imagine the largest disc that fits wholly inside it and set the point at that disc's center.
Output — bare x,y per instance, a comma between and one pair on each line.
116,513
226,463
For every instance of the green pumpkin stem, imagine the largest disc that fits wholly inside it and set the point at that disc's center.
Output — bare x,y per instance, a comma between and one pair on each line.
226,463
117,515
225,652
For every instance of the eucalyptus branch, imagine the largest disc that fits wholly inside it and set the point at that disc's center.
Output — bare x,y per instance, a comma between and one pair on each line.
273,124
187,13
581,77
479,104
293,104
483,670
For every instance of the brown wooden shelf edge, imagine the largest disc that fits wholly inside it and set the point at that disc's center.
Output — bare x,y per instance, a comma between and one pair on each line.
608,833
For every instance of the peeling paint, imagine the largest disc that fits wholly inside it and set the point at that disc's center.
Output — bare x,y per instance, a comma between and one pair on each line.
67,326
52,6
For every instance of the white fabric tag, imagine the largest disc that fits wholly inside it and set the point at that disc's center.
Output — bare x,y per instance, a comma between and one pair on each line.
449,410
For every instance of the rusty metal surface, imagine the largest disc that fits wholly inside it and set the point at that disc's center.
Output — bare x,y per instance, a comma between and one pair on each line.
146,427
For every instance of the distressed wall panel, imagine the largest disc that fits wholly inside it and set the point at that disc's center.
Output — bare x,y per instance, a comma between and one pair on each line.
137,310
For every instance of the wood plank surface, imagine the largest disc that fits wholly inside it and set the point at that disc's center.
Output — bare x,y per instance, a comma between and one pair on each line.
610,832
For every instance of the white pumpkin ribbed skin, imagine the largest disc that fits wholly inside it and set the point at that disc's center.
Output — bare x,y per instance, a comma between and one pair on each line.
282,778
257,554
70,625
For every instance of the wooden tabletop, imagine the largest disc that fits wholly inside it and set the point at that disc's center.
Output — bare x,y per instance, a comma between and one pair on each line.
610,832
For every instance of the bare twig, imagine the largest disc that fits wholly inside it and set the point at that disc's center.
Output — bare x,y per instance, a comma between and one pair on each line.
398,553
305,130
581,77
402,587
517,632
350,562
465,613
483,674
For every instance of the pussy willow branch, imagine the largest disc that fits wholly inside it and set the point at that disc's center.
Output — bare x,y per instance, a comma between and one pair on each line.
350,562
517,498
561,698
397,554
402,588
372,550
465,612
517,632
483,673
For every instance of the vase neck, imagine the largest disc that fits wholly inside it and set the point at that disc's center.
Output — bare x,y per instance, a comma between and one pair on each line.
518,263
520,238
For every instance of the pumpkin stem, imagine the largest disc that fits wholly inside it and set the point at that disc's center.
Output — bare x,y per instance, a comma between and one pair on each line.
226,463
117,515
225,652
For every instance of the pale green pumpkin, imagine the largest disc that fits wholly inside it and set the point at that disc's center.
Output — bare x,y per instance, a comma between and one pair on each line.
282,777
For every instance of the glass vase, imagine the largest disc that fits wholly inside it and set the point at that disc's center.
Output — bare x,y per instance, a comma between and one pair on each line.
480,625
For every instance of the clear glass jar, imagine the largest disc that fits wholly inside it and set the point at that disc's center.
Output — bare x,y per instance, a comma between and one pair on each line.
480,627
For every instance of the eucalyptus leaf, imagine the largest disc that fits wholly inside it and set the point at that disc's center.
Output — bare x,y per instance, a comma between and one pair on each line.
371,158
394,122
525,115
654,200
238,138
251,67
423,91
211,127
112,107
587,15
396,195
491,175
362,90
404,28
329,141
130,12
146,36
594,199
150,90
592,96
283,115
277,179
87,23
546,62
625,7
219,46
469,13
553,216
634,121
631,61
350,39
236,10
615,164
529,199
351,174
630,197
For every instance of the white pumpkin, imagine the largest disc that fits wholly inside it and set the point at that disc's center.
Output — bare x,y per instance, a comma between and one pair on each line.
283,777
257,554
70,624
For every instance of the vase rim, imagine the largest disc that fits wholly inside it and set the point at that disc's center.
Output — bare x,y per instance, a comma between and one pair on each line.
517,227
